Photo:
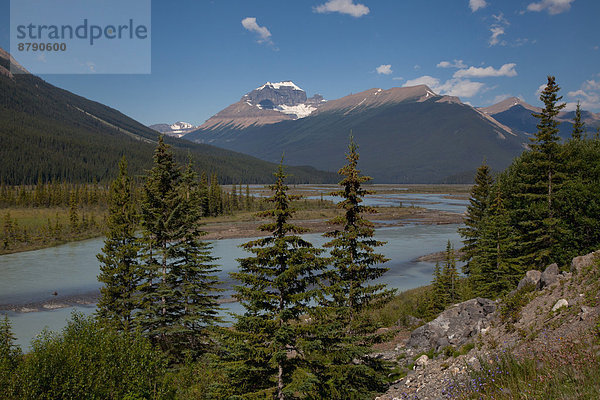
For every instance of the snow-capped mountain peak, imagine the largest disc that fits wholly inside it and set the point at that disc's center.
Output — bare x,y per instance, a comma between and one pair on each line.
267,104
179,126
279,85
178,129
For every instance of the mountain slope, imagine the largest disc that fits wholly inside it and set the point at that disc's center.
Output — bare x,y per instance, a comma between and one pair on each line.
406,135
517,114
49,133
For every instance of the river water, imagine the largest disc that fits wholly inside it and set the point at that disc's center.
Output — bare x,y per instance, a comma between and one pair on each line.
70,270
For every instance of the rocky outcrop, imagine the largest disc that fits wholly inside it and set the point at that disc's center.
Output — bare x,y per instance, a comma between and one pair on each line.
550,276
532,278
454,327
581,262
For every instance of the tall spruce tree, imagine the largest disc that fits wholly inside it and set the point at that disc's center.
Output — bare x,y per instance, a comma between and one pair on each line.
196,282
355,263
177,303
439,296
277,285
578,124
450,274
476,210
345,332
119,269
543,176
498,267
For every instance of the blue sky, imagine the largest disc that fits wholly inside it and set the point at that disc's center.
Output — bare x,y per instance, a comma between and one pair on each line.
207,54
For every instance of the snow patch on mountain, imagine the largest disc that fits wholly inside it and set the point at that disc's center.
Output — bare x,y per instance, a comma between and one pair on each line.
301,110
279,85
178,129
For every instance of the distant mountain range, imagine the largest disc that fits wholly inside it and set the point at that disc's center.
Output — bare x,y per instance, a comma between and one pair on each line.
406,135
178,129
517,114
51,134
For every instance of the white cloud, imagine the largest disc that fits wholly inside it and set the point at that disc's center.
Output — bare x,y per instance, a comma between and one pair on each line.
475,72
552,6
497,31
477,4
264,35
343,7
540,89
455,64
384,69
452,87
500,19
588,95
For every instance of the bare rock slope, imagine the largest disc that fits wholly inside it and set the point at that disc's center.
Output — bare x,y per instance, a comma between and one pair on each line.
562,307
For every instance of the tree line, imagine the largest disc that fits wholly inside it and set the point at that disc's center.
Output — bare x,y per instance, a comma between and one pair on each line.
70,211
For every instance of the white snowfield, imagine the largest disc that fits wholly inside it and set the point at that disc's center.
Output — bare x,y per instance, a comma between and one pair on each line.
301,110
278,85
178,126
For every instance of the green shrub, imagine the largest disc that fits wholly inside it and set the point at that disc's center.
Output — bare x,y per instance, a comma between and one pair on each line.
10,357
91,361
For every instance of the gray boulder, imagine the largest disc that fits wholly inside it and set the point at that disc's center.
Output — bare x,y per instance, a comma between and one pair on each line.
531,278
549,276
560,304
454,327
581,262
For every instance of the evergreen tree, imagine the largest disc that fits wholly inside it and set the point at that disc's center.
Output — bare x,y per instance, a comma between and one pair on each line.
248,203
197,282
352,247
176,304
578,124
450,277
542,180
439,295
498,268
345,332
277,285
10,358
215,197
119,269
73,215
203,193
234,197
476,210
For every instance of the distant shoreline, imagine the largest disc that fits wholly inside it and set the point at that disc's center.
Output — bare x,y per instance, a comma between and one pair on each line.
76,300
